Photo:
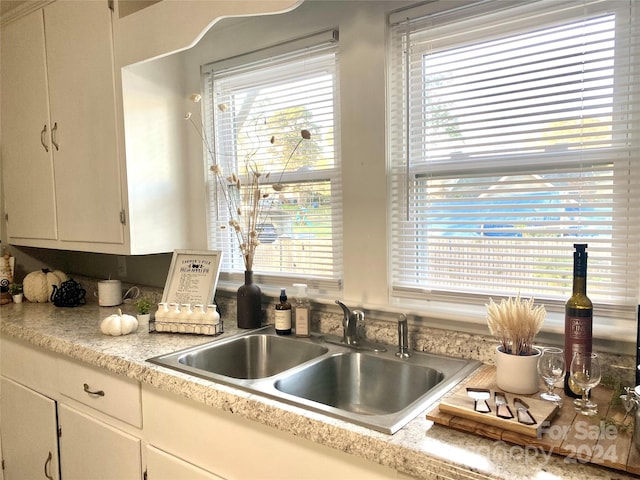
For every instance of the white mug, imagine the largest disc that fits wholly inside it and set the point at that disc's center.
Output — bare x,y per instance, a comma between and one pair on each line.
109,293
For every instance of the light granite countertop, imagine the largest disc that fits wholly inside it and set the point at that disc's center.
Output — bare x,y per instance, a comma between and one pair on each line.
421,449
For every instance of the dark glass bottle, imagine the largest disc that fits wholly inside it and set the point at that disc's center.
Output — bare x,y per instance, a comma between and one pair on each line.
578,320
283,315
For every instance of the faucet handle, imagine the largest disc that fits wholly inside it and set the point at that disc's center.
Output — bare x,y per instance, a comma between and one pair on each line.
346,312
358,316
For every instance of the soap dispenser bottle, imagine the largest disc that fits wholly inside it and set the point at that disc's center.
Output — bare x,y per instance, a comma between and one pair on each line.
301,312
283,315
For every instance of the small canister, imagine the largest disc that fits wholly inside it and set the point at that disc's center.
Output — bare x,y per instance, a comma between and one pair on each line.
109,293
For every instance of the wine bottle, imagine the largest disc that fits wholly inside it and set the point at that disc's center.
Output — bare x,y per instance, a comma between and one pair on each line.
578,320
283,315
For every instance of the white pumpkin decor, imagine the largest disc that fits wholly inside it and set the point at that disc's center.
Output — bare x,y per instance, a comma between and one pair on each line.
38,285
119,324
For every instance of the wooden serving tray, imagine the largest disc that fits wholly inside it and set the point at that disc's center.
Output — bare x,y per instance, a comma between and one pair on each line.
579,438
461,405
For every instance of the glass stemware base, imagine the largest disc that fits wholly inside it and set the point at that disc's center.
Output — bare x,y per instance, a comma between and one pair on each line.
551,396
586,407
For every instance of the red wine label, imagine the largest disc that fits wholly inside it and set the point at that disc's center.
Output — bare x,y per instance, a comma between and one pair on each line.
578,328
577,336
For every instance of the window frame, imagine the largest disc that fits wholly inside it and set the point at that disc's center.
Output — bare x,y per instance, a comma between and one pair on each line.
425,298
322,44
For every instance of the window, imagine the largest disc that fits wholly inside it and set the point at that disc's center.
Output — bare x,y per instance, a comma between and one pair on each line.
257,107
514,134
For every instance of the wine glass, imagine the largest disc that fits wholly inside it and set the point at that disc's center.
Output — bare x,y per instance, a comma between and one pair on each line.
585,372
551,367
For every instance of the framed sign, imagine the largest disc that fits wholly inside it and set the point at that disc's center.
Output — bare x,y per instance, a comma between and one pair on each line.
193,277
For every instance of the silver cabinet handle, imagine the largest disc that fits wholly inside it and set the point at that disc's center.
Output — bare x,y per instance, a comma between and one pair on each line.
99,393
47,467
43,133
54,134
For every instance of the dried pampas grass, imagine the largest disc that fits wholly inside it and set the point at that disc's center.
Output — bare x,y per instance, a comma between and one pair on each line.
515,322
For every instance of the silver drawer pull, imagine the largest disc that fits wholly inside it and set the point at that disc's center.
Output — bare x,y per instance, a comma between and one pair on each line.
54,136
47,467
99,393
43,133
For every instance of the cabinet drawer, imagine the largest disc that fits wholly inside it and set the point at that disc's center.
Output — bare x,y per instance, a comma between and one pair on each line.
111,394
29,366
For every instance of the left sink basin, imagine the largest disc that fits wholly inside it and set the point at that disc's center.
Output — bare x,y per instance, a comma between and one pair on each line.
247,357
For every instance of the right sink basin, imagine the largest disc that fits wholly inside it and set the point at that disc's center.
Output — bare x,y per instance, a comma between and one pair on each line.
361,383
375,390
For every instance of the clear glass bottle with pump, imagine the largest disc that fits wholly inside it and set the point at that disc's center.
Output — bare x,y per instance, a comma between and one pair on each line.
283,315
302,311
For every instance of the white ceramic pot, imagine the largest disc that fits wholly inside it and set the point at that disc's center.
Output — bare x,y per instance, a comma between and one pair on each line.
17,298
517,373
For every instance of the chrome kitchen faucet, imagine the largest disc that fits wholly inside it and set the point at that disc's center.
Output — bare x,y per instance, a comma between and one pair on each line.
350,338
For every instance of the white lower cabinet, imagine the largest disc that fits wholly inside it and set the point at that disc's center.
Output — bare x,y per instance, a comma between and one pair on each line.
163,466
64,420
29,434
91,449
52,431
236,448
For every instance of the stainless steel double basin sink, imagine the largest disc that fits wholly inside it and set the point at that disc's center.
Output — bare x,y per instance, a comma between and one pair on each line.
375,390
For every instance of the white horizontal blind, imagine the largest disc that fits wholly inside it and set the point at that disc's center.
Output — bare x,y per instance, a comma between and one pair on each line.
256,113
515,134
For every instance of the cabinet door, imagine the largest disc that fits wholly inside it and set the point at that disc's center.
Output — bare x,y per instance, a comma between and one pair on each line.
92,449
27,165
83,117
29,434
163,466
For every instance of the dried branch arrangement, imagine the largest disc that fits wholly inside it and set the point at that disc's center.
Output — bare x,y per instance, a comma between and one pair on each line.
515,322
245,196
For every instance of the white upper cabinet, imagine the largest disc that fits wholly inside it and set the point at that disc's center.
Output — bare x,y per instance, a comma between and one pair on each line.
27,154
60,158
82,99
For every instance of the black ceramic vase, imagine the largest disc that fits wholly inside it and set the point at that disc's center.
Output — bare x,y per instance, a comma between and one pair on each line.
249,303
